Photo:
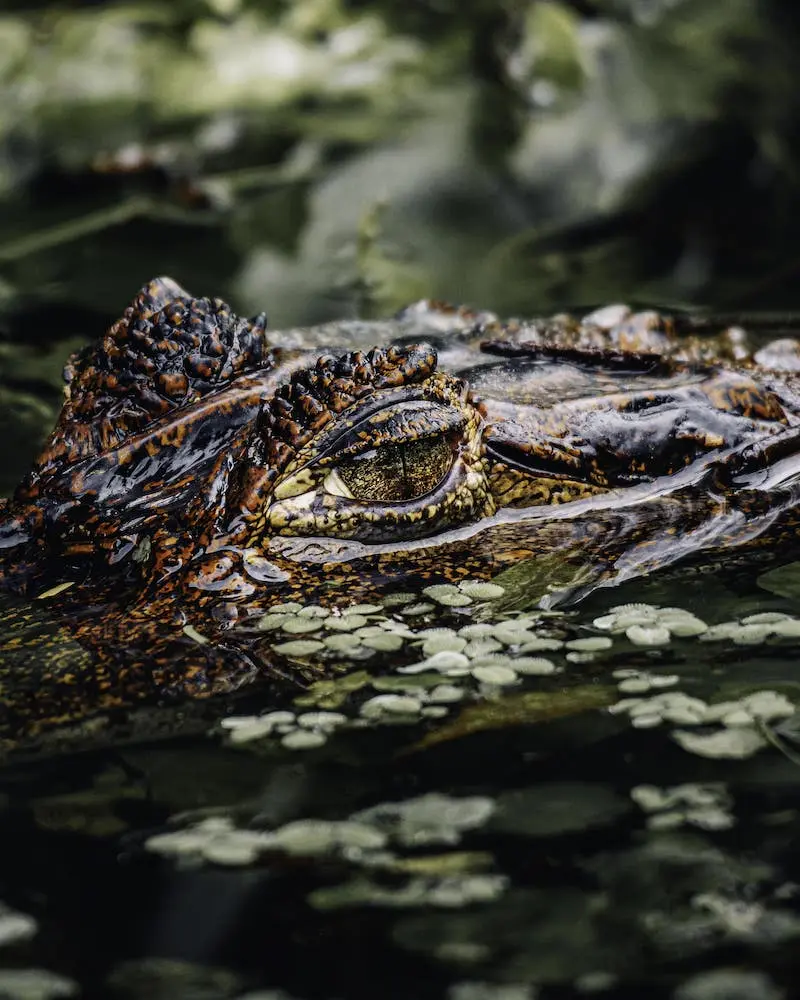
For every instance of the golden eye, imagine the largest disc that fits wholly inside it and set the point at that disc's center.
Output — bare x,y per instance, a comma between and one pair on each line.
393,473
376,476
426,463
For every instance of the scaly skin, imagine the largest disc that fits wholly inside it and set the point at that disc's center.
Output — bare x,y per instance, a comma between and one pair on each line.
202,470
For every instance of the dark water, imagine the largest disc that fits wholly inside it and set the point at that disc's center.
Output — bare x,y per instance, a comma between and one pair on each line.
550,864
580,855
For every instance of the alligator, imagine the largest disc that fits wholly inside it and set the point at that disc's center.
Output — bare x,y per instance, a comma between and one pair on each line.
204,469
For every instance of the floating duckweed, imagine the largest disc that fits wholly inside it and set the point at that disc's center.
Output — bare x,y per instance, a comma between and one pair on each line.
347,623
342,643
480,647
363,609
590,644
15,926
313,611
481,591
438,590
533,665
673,706
392,704
578,657
434,711
233,851
633,618
519,620
448,892
444,661
754,629
625,616
277,718
635,685
417,668
539,644
494,675
682,715
648,635
397,628
362,651
367,631
765,618
321,720
455,601
299,647
303,739
736,744
704,806
605,622
742,635
199,838
652,799
767,705
478,630
331,693
456,671
298,626
637,682
738,717
685,627
266,623
789,628
433,818
298,837
646,721
398,599
316,836
36,984
383,643
511,634
443,644
619,609
417,609
219,841
725,710
493,660
751,635
244,729
436,630
446,694
291,607
716,633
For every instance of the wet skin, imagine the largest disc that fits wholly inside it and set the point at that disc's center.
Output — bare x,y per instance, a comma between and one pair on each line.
204,468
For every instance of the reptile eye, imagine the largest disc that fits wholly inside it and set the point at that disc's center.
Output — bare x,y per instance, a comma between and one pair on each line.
393,473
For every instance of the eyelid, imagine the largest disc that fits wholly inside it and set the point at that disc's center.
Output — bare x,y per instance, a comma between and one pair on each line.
397,425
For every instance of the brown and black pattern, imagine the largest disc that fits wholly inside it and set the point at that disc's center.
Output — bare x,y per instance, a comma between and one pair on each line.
202,470
313,397
166,352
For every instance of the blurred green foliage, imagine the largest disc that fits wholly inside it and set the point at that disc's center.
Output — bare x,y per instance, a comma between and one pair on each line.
323,158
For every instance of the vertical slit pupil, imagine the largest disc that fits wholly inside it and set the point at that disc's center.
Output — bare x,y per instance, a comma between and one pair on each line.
397,473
